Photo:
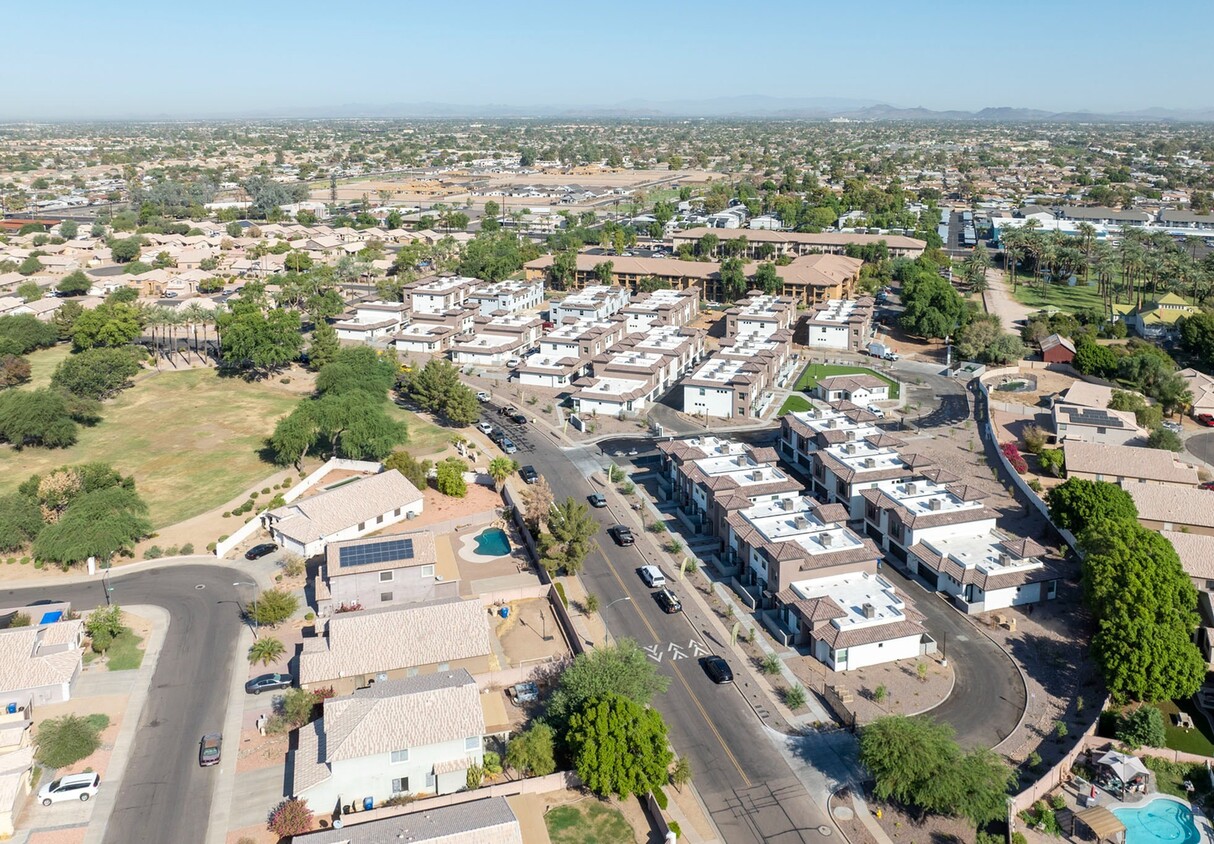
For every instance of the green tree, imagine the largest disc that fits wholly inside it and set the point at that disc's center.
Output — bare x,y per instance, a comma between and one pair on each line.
437,388
299,706
74,284
1197,338
564,269
20,521
29,292
99,523
104,622
272,607
733,278
266,650
1005,349
96,373
619,746
501,468
30,266
623,669
110,324
1165,440
21,334
1144,727
37,417
567,542
14,370
449,477
604,272
973,340
767,279
297,261
494,256
257,337
933,309
68,229
417,471
532,752
1078,503
126,250
324,346
66,740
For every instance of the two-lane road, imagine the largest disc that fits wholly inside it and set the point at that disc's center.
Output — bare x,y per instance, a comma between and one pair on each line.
164,795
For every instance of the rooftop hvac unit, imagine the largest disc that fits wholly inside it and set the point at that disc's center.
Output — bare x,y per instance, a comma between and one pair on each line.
800,522
869,462
935,503
827,540
1005,559
912,488
786,504
869,611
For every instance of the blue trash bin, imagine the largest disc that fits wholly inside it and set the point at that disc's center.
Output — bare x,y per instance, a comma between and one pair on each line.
504,612
368,804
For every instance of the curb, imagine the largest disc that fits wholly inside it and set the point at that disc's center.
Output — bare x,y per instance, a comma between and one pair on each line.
225,789
121,571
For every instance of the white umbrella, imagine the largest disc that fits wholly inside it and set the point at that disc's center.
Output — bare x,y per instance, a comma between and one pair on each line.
1125,767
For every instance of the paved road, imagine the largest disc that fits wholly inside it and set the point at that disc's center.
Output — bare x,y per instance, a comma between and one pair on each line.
164,795
748,788
1201,446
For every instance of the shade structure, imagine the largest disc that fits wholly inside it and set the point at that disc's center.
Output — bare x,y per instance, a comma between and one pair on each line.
1126,767
1103,823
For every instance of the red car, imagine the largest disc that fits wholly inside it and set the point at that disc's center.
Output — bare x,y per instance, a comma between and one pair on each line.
1206,419
1207,485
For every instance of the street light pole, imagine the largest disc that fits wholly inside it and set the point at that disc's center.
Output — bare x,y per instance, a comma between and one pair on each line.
616,601
255,625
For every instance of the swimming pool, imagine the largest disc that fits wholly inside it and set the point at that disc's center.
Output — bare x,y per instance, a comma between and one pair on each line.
1162,821
493,542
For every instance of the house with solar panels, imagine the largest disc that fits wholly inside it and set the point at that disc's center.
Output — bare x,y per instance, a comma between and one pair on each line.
356,508
382,570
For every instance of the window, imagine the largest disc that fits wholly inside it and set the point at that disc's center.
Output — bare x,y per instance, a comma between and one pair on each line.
396,512
411,672
472,743
385,597
444,666
362,525
400,785
386,576
1102,430
379,520
430,782
399,756
427,571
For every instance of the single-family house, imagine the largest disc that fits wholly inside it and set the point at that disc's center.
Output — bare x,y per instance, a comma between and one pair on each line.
1126,465
1173,508
473,822
39,663
858,389
397,568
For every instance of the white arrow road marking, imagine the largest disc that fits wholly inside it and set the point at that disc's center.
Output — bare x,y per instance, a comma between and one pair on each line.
653,653
696,648
675,652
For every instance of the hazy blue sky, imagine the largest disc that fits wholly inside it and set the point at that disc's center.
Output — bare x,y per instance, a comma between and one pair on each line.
184,58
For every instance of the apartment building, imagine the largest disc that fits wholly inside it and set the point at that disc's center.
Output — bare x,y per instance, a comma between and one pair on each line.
424,338
816,279
661,307
900,514
594,303
842,324
437,294
565,353
738,380
509,296
682,347
802,433
367,321
760,314
709,478
842,472
496,339
983,570
805,243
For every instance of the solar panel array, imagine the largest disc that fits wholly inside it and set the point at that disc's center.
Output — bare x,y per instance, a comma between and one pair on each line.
375,552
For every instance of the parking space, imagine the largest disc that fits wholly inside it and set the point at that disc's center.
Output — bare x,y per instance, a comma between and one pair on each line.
503,422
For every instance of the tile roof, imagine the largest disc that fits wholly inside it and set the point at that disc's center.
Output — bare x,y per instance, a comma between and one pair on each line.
309,519
27,660
1094,418
422,553
388,638
488,821
1173,504
1088,395
1123,461
1196,552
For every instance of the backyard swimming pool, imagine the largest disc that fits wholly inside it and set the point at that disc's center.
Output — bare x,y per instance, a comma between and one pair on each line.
493,542
1162,821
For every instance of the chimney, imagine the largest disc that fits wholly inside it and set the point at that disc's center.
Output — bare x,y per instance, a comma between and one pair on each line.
935,503
869,611
870,462
912,488
827,540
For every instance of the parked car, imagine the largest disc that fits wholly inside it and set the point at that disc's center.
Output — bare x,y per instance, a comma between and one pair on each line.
72,787
1207,485
259,551
717,669
209,749
669,602
1174,427
268,683
653,577
622,534
598,500
484,427
876,411
513,362
528,474
482,395
1206,419
508,446
518,418
506,410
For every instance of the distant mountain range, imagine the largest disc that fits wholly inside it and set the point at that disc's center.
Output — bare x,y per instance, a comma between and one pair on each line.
745,106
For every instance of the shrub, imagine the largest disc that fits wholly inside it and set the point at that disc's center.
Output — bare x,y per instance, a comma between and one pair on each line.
795,697
309,616
770,665
188,548
1034,760
227,514
1012,453
293,565
211,546
298,706
265,490
153,553
290,817
1058,801
1018,838
660,796
1034,439
658,527
66,740
1052,461
273,607
880,694
1142,727
560,590
676,829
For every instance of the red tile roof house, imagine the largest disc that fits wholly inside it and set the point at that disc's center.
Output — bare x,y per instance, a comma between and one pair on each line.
352,510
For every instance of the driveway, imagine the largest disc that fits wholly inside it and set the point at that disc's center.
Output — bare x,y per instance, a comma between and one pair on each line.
999,301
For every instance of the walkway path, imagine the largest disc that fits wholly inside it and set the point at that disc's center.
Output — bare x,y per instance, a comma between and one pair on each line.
998,300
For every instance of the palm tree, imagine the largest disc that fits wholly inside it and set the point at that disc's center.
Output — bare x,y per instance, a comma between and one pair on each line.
1087,237
501,468
195,314
975,267
266,651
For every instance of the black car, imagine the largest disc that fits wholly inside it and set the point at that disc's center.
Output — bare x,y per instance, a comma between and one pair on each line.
528,474
496,436
717,669
259,551
267,683
597,500
622,534
518,418
670,604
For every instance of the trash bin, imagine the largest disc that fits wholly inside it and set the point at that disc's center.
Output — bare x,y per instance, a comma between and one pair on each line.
368,804
504,612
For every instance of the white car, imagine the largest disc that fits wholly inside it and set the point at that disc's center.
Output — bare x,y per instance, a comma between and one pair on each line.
513,362
876,411
484,427
653,577
72,787
482,395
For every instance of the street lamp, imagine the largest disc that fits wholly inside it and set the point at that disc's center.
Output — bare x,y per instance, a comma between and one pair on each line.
253,616
616,601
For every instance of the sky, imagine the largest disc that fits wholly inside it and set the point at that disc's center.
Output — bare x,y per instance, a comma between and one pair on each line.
188,59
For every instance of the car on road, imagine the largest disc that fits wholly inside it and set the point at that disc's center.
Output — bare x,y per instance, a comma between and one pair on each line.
1206,419
876,411
669,602
717,669
508,445
1209,485
653,577
209,749
72,787
482,395
513,362
259,551
518,418
597,500
267,683
622,534
484,427
506,410
528,474
1174,427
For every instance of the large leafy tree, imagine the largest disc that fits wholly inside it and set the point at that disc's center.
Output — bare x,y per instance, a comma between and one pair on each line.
96,524
324,345
23,333
436,388
619,746
74,284
256,336
111,324
495,255
1079,503
532,751
1197,338
567,542
733,278
623,669
96,373
14,370
916,761
767,278
42,417
933,307
1146,611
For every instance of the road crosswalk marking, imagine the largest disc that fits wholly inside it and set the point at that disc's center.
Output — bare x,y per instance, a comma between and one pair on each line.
675,650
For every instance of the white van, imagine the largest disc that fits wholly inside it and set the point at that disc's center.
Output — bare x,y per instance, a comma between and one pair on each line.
72,787
653,577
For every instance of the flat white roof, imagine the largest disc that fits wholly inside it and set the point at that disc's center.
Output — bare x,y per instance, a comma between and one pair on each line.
646,360
574,331
487,342
918,495
852,592
837,310
444,285
980,551
795,520
719,370
825,419
856,454
605,388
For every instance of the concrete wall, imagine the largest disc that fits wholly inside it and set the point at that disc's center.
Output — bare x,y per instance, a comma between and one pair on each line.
346,685
408,586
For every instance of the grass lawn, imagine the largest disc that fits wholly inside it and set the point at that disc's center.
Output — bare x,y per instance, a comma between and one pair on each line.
424,437
190,438
1060,296
809,378
124,653
794,404
588,823
43,363
1197,740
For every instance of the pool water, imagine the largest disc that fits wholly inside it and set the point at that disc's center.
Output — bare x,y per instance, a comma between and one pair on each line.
493,542
1161,821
